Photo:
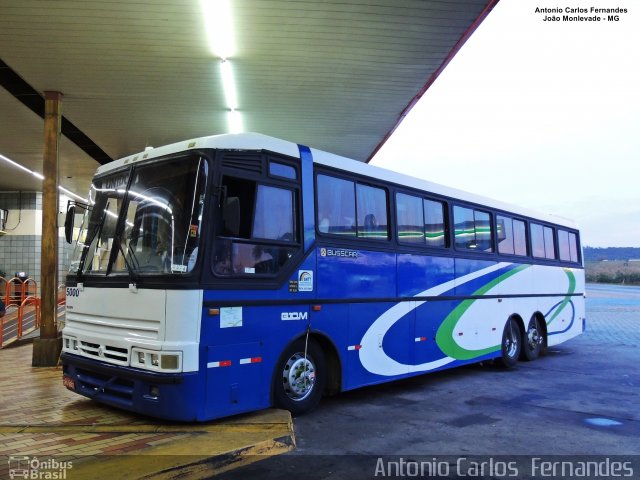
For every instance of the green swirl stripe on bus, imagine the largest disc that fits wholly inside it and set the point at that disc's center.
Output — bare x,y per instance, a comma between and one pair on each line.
567,299
444,336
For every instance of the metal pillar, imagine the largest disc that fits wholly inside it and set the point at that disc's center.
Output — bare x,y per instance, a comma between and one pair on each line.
46,349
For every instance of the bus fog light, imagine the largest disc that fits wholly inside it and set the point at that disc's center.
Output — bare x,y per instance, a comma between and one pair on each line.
154,391
169,362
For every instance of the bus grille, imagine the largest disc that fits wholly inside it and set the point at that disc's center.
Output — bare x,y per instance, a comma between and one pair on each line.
106,352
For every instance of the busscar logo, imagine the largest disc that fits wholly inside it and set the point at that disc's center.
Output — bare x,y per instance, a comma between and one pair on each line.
338,252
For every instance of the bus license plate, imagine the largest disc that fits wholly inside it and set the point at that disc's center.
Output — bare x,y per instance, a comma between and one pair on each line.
69,383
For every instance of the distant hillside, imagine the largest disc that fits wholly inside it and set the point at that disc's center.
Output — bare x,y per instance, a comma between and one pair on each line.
592,254
612,265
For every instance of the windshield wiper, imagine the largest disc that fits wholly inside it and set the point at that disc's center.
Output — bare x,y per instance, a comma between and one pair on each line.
97,231
133,267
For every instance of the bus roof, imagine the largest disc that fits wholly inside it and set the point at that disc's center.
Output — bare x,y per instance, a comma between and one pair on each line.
257,141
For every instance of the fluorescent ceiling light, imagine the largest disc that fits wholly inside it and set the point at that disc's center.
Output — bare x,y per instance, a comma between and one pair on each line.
15,164
219,27
235,121
69,192
229,85
39,176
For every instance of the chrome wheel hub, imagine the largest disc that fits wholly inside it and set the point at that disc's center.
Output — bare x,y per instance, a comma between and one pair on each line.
533,337
511,342
298,377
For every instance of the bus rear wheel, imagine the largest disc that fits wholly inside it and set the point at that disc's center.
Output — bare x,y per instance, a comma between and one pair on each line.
533,340
300,377
511,343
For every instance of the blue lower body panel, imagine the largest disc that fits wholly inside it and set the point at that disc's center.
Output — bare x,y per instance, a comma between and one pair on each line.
175,396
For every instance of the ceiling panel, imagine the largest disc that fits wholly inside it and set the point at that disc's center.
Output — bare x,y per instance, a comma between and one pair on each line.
334,75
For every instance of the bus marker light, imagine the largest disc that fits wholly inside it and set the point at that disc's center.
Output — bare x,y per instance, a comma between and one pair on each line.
244,361
223,363
214,311
354,347
421,339
316,308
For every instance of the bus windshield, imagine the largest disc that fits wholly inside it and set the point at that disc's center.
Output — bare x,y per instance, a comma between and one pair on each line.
143,221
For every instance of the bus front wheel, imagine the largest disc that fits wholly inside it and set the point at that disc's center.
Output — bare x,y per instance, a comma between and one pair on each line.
511,343
300,377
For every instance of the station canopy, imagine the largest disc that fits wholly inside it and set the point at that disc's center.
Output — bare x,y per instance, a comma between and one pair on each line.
338,75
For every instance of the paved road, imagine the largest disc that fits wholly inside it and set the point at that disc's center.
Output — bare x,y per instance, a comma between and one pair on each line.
579,399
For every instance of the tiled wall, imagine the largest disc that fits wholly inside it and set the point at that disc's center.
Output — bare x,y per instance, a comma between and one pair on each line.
21,253
27,200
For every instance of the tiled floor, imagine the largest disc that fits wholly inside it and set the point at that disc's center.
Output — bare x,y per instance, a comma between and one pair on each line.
40,418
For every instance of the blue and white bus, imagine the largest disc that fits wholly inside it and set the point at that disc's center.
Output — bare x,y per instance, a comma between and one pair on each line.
232,273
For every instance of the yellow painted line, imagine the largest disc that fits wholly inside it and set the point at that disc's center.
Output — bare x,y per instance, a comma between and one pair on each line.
189,456
264,420
47,428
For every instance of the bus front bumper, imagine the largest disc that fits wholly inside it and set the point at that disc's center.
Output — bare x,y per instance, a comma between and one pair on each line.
170,396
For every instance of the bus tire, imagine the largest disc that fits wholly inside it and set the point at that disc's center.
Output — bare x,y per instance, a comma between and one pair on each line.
298,381
511,343
533,340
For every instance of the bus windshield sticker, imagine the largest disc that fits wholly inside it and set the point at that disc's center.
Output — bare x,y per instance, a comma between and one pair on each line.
305,280
178,268
230,317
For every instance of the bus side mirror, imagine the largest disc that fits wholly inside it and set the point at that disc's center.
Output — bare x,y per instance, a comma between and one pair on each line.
68,223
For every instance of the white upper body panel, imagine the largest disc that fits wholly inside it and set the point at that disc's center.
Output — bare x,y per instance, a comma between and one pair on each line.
257,141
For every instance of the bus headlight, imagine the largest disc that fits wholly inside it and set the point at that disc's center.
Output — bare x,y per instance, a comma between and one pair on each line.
170,362
156,360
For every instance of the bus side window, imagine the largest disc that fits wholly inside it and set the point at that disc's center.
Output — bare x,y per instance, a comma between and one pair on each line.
410,219
371,214
573,247
549,244
231,217
537,240
520,238
472,229
505,234
336,206
252,239
434,223
563,245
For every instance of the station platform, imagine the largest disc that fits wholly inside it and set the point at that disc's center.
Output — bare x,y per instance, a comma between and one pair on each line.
46,428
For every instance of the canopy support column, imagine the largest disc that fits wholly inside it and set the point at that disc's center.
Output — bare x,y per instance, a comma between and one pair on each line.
46,349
